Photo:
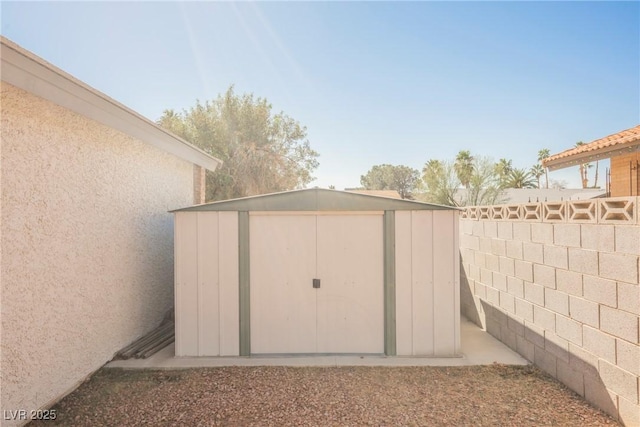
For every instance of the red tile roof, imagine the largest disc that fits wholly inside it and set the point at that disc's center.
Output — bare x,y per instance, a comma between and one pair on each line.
598,149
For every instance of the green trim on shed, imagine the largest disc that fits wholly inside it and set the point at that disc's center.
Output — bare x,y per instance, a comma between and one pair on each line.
315,199
244,290
389,283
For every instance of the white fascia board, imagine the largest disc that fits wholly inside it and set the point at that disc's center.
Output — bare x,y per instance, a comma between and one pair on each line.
26,71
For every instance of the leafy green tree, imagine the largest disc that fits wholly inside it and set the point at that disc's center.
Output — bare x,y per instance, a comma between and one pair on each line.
401,178
484,185
440,183
559,185
520,178
464,167
537,171
543,154
262,151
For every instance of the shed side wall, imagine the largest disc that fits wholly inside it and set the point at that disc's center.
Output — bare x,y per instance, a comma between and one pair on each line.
228,277
186,284
422,273
86,241
427,294
206,284
446,305
404,285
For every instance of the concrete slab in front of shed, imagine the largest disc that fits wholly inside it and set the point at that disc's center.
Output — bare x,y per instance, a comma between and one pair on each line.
478,348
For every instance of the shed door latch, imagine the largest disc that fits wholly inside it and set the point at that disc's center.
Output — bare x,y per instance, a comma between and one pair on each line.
316,283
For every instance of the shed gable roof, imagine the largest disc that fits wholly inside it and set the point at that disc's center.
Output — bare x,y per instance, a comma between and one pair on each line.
315,199
616,144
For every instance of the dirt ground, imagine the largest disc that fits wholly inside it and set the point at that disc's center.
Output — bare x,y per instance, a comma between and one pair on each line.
494,395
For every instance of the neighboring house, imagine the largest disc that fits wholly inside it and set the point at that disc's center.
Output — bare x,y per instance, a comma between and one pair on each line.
86,238
623,148
533,195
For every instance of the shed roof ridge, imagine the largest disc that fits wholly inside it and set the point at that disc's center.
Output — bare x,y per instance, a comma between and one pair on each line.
311,199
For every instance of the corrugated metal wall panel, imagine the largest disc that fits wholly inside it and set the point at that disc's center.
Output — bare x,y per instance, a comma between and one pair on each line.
228,278
444,284
422,271
208,300
427,284
186,285
206,285
404,285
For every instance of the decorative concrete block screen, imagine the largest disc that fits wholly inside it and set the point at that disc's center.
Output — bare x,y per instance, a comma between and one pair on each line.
558,283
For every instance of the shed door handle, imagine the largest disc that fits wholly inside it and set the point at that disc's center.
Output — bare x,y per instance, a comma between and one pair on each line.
316,283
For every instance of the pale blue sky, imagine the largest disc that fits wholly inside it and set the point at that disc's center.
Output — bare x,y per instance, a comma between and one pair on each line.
374,83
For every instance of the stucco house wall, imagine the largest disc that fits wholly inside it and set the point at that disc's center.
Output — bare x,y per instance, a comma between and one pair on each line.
86,240
87,244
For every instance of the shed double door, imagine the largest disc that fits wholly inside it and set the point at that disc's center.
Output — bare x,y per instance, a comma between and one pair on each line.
345,314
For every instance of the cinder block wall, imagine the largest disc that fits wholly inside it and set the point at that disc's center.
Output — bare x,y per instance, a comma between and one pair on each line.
558,283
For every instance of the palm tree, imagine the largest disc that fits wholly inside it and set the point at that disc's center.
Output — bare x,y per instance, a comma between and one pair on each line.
432,165
587,166
595,177
543,154
464,167
520,178
503,169
537,171
584,169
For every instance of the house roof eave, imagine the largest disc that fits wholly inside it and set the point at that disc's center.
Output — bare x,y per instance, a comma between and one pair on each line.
591,156
25,70
623,142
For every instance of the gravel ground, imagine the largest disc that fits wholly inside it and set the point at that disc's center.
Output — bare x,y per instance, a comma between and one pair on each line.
346,396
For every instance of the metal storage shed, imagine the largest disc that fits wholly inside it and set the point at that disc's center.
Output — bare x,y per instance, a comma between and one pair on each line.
317,272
